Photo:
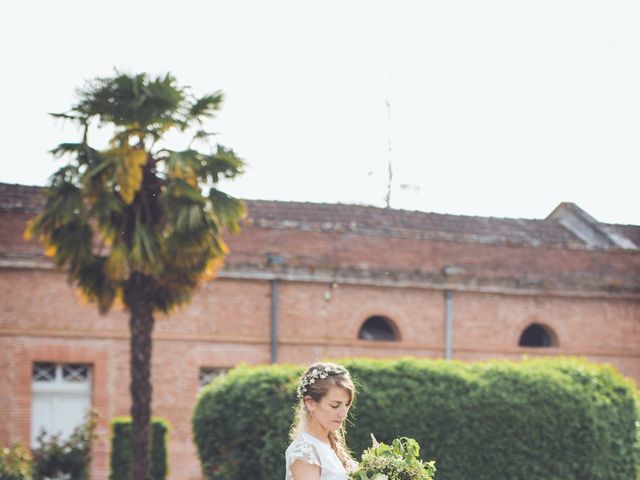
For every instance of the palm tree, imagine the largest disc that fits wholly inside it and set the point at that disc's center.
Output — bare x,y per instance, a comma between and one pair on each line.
137,222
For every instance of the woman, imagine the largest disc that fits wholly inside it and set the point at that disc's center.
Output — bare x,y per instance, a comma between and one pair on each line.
318,450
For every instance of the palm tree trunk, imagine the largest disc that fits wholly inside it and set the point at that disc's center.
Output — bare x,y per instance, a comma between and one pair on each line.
141,326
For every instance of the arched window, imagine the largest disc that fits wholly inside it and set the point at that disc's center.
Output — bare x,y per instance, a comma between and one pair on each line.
536,335
378,328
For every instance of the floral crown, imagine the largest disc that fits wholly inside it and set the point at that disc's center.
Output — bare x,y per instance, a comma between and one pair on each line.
318,373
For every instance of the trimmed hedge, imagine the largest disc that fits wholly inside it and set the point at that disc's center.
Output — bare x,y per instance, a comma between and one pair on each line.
551,419
121,449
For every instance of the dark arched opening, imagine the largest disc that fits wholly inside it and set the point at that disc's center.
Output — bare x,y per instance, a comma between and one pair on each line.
378,328
536,335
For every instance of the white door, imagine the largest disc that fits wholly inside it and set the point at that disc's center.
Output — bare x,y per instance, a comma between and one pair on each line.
61,397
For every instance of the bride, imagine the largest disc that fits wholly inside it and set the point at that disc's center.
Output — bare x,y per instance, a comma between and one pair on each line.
318,450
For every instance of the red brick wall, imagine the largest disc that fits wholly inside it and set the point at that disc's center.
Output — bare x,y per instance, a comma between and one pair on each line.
308,321
43,319
12,229
15,405
228,322
602,330
552,265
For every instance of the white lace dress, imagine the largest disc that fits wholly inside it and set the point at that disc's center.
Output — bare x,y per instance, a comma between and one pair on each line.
311,450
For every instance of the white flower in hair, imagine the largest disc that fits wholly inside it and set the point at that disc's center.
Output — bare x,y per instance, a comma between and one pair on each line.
314,374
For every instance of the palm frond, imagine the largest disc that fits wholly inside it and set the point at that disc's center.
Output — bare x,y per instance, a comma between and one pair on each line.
116,267
128,163
82,153
227,209
106,208
222,164
98,167
177,188
92,282
188,217
202,136
80,119
132,99
66,148
67,174
73,243
63,205
206,106
183,164
144,254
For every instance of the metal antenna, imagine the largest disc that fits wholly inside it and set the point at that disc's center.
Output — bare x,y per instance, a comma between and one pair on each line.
387,199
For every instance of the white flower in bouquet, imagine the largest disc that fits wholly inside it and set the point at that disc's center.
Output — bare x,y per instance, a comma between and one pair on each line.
398,461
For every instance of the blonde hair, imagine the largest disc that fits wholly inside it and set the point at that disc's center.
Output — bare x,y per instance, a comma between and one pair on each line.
317,390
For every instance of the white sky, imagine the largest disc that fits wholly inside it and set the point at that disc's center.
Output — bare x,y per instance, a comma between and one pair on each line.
498,108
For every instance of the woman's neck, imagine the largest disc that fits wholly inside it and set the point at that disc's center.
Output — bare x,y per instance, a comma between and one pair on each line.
317,431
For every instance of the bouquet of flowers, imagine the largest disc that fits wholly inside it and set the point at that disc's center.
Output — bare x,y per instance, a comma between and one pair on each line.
398,461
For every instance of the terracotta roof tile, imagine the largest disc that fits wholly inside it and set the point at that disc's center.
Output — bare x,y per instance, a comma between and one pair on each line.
374,221
20,198
396,245
413,224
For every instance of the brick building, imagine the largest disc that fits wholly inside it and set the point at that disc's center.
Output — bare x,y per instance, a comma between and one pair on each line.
306,281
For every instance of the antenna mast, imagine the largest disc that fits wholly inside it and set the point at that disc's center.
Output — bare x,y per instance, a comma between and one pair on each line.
387,198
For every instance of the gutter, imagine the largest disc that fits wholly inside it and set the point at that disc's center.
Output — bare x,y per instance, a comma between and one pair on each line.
448,324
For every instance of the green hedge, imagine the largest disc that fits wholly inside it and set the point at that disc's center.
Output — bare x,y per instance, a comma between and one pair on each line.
121,449
556,419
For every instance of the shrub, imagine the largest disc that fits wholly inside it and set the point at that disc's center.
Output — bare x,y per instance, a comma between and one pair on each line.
553,419
121,449
15,463
55,458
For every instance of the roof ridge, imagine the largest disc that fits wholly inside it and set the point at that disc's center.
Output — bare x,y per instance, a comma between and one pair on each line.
397,210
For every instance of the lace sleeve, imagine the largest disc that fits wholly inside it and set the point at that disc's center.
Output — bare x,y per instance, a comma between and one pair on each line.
302,450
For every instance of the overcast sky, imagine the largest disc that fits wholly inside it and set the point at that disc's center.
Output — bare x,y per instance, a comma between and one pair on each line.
497,108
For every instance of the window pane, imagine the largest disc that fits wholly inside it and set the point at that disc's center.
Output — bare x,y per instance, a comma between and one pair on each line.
209,374
75,373
43,372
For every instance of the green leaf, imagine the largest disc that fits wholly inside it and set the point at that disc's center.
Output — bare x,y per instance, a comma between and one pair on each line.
206,106
181,190
227,209
144,252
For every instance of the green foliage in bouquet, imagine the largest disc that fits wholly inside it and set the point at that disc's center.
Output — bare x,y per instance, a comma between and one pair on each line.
398,461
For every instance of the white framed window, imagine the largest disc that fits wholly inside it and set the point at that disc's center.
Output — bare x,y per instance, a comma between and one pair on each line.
60,398
209,374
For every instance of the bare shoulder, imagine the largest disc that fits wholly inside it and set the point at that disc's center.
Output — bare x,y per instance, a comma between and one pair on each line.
302,470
